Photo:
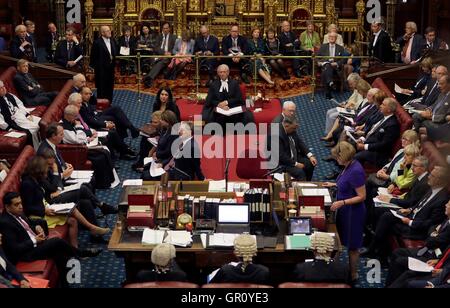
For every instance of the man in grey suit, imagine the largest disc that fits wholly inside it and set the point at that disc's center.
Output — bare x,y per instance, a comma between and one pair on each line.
436,115
330,65
164,46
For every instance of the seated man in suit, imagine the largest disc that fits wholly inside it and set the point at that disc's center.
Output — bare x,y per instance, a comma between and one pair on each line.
234,45
224,93
187,159
104,172
165,267
294,156
128,44
68,51
432,42
29,89
27,242
414,222
16,116
435,116
245,271
22,46
330,66
111,118
440,280
164,46
323,268
432,89
411,44
9,272
435,247
374,148
290,46
207,45
112,140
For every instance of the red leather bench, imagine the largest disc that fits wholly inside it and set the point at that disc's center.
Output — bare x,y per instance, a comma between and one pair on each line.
44,269
313,285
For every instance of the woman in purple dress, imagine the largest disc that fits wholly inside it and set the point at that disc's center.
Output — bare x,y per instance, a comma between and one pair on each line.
349,205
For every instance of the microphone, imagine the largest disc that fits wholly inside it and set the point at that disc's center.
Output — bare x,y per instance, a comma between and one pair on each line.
227,165
181,172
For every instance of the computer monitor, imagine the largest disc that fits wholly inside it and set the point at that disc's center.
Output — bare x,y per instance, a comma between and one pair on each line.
232,213
300,225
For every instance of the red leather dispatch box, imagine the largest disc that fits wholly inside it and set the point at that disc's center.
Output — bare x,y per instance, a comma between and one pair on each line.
140,217
141,195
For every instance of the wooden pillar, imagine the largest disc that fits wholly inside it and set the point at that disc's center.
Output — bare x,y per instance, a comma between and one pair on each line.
60,16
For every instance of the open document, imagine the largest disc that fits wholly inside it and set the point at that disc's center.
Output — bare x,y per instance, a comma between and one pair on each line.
230,112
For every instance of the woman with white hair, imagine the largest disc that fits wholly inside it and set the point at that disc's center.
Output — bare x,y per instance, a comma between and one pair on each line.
324,268
333,28
244,271
164,266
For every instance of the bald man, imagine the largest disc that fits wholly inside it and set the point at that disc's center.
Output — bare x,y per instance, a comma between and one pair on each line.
103,56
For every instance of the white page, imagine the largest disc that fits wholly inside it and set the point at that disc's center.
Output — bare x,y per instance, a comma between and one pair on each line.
382,204
419,266
217,186
3,175
136,182
222,239
397,89
73,187
317,192
148,160
93,143
82,174
15,135
75,181
305,185
153,141
178,238
343,110
397,214
79,59
62,207
124,51
230,112
102,134
279,177
155,170
384,191
152,237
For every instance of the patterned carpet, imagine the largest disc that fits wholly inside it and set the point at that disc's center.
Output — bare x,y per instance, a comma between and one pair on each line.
107,271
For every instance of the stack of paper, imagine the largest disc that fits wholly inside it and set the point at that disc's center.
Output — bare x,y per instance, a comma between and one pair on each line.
217,186
137,182
419,266
178,238
152,237
63,208
230,112
297,242
15,135
82,174
387,205
73,187
102,134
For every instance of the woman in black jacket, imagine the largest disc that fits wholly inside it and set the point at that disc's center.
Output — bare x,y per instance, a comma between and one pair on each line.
36,202
164,101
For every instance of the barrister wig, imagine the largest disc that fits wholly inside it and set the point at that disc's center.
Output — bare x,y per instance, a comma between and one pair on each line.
162,256
245,248
323,245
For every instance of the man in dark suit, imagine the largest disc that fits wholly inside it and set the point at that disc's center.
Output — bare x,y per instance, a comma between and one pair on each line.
224,93
432,42
187,159
9,271
437,242
234,45
411,44
323,269
417,220
51,41
436,114
290,46
103,60
432,88
292,151
289,109
330,66
380,46
21,45
68,51
374,148
128,43
111,118
27,242
29,89
31,29
164,46
207,45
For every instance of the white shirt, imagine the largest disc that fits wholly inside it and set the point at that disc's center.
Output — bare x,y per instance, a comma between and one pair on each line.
224,86
165,41
3,124
332,50
3,263
434,192
376,37
108,44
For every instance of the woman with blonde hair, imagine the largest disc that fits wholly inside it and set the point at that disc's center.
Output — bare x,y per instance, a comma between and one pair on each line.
349,205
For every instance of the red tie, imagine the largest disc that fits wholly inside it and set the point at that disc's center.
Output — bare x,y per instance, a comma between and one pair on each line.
26,226
442,260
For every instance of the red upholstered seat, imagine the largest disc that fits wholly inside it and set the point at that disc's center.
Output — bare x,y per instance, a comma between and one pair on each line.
44,269
7,77
407,243
162,285
212,165
433,154
250,168
269,112
313,285
235,286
